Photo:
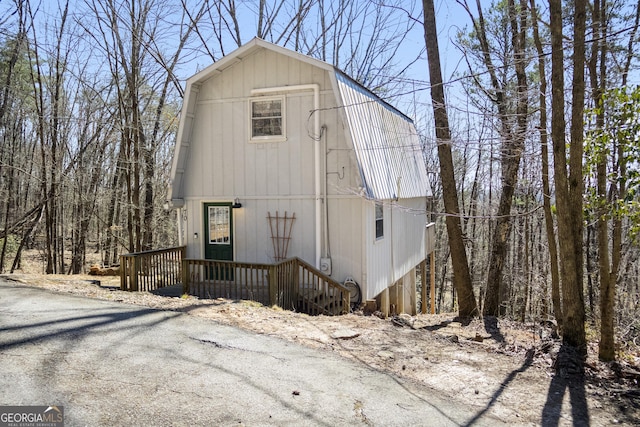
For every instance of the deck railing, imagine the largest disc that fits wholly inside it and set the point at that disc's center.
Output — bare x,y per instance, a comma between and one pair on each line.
319,293
291,284
151,270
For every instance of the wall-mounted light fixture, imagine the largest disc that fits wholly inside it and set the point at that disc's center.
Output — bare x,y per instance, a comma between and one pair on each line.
236,203
195,235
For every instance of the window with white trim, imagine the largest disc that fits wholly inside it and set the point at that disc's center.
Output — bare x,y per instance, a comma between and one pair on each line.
267,119
379,221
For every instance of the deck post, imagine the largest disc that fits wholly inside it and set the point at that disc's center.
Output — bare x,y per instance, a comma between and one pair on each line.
295,284
135,269
273,285
432,267
185,275
423,289
123,274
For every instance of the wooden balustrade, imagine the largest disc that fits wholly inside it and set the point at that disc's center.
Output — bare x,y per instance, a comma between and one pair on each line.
226,279
151,270
291,284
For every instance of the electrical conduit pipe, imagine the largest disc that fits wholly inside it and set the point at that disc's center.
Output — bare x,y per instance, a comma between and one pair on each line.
316,137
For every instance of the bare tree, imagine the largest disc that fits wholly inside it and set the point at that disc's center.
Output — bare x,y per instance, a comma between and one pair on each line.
568,173
12,53
513,132
364,39
546,187
130,35
461,276
47,85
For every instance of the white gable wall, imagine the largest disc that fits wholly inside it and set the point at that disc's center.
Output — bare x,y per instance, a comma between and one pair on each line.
265,177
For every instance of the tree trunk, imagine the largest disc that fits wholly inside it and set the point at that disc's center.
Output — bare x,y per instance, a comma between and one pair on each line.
590,268
8,202
546,187
26,235
461,276
39,99
606,347
111,239
512,142
569,185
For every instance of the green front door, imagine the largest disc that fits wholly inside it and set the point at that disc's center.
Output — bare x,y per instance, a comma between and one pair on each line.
218,227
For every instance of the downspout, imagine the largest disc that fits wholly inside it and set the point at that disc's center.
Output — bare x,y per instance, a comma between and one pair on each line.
326,250
316,137
392,206
393,260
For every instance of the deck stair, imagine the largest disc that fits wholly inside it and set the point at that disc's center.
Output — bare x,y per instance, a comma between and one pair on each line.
321,302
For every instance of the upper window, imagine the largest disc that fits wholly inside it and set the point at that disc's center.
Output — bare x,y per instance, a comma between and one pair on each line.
267,119
379,221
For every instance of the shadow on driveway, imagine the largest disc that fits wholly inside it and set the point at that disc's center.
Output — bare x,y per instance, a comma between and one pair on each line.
95,321
569,378
528,361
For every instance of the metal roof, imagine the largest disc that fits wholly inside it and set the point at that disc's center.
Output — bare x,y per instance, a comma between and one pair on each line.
386,144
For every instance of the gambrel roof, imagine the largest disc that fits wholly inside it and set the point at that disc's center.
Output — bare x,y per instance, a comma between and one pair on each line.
385,141
386,144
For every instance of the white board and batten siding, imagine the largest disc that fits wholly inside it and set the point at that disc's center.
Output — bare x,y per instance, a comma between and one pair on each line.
372,154
271,177
400,249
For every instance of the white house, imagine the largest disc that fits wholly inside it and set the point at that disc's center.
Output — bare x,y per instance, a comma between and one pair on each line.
280,155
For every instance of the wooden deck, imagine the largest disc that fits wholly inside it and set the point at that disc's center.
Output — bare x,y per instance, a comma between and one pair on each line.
151,270
291,284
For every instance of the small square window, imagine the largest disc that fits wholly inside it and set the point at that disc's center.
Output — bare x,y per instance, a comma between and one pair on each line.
379,221
267,119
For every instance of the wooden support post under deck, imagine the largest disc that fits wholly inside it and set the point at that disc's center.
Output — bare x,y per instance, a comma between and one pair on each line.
423,289
400,296
432,267
185,276
384,302
410,293
273,286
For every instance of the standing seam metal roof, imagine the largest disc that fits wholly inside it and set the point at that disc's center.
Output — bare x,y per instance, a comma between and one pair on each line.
386,144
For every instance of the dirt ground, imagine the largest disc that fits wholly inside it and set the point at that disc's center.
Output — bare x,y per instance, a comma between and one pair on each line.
501,367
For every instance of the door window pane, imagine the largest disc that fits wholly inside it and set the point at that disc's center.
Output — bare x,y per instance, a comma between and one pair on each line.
219,226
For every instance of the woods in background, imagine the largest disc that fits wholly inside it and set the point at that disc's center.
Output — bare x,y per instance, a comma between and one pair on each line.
91,91
525,91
